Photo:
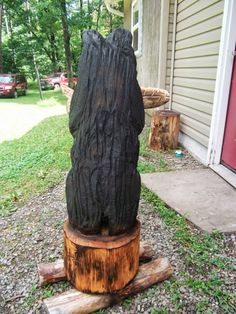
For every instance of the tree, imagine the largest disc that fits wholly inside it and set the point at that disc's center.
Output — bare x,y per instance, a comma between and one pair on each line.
55,27
66,35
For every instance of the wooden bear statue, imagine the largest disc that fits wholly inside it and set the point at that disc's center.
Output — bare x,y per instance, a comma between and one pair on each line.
106,117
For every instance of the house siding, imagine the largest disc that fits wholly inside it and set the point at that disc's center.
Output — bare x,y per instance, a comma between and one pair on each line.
198,30
147,62
169,44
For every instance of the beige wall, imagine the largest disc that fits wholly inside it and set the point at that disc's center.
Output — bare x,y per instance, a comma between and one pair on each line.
148,61
196,51
198,32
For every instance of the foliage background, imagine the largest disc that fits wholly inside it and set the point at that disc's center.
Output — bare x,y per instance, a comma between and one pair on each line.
30,27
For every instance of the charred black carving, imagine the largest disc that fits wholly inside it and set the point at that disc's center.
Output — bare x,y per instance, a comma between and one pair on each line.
107,114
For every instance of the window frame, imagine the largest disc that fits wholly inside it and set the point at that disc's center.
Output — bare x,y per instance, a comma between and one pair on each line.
138,26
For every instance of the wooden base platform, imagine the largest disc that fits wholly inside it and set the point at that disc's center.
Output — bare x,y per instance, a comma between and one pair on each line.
100,263
54,272
76,302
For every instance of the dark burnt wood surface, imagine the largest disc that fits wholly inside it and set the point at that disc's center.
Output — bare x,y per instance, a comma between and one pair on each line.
106,117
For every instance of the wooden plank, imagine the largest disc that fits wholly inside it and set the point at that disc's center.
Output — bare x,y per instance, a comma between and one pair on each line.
194,114
54,272
201,39
75,302
197,94
200,28
200,11
204,73
197,62
208,85
193,103
202,50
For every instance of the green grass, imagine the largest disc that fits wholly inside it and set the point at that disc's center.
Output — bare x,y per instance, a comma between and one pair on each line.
34,163
50,98
202,254
151,160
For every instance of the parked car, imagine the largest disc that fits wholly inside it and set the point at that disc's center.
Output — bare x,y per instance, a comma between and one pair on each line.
46,84
13,85
59,78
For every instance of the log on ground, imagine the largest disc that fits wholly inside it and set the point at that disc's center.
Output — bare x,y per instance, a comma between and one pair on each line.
164,130
77,302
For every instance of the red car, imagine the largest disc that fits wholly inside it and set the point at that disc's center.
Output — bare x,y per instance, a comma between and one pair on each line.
59,78
13,85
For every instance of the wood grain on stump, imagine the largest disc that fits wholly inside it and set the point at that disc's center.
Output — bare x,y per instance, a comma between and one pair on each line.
75,302
164,130
100,263
54,271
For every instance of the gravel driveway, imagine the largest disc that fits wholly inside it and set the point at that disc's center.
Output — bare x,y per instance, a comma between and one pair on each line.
16,120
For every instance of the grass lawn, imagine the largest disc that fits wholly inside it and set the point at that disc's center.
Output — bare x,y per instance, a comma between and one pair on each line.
35,162
39,160
50,97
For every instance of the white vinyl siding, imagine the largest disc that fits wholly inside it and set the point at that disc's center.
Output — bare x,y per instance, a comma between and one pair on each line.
198,32
169,45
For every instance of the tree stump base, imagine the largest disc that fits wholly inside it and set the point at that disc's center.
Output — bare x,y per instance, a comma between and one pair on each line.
100,263
164,130
55,271
150,272
76,302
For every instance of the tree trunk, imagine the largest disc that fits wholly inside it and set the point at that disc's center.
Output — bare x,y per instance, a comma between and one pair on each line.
13,50
110,22
6,21
33,52
66,35
54,60
99,14
89,14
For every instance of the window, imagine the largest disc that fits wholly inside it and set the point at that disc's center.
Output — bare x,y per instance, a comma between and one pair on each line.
136,25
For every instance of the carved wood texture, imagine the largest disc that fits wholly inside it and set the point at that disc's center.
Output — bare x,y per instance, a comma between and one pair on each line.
106,117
